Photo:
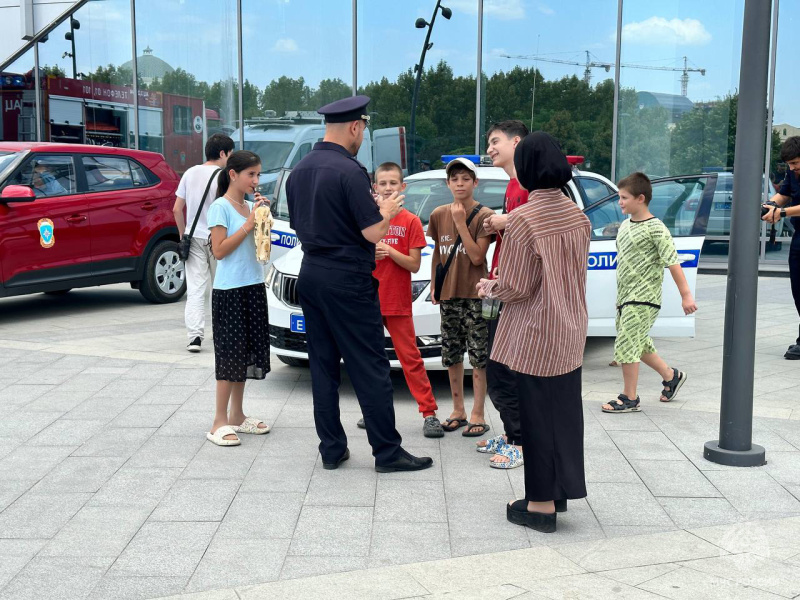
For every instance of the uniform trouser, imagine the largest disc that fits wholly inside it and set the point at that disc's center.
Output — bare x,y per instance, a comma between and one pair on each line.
794,272
501,383
552,435
200,269
404,340
343,320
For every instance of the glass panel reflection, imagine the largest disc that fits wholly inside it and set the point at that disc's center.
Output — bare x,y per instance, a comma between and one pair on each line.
550,66
18,96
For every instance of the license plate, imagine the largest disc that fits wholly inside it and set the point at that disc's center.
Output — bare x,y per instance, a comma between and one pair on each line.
298,324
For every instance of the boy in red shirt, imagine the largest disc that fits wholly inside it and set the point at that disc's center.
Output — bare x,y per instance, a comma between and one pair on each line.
503,138
397,256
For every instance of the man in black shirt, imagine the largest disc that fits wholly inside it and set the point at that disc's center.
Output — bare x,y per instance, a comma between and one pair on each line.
788,205
338,223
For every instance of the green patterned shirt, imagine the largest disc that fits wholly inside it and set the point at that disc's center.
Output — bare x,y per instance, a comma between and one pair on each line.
644,250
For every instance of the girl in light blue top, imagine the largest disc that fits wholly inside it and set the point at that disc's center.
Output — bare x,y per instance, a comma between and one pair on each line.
239,299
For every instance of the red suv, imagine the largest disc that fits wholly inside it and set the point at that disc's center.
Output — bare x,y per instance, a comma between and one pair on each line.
78,216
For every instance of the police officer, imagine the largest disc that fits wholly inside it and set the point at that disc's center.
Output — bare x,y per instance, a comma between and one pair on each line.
338,222
786,203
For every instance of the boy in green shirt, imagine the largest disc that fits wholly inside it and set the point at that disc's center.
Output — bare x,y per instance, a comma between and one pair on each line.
644,249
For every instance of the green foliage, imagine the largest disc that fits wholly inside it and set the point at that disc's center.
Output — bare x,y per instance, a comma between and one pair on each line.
577,114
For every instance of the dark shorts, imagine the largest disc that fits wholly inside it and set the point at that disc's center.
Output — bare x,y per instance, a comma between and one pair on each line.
464,330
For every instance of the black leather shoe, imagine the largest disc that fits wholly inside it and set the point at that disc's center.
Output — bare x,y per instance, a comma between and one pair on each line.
405,462
519,514
335,465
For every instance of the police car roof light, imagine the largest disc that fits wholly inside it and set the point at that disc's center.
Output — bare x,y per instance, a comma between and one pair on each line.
575,160
446,158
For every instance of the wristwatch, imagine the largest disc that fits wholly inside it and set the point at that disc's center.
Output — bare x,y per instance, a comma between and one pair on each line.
783,213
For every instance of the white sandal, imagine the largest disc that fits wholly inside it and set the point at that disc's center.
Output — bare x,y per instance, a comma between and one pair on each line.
251,425
513,455
218,437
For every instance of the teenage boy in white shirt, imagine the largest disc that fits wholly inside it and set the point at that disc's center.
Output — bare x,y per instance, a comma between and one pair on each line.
201,264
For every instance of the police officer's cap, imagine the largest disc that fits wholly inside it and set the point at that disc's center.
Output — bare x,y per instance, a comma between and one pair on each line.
352,108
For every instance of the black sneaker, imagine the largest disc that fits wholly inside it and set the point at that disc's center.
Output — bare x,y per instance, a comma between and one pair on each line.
361,424
194,345
432,428
793,353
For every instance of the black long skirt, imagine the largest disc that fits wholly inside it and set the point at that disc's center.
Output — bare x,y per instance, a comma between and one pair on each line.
551,416
241,333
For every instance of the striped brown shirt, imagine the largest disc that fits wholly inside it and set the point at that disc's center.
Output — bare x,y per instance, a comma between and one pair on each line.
542,283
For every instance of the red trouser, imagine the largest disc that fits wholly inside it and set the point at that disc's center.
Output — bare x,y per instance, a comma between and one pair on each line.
404,340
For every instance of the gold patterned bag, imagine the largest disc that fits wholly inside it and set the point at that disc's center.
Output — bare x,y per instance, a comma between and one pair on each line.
263,233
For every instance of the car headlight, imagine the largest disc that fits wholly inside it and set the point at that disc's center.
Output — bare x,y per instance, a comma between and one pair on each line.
417,287
276,283
270,275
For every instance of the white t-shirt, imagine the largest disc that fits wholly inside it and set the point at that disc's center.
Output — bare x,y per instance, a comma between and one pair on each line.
192,185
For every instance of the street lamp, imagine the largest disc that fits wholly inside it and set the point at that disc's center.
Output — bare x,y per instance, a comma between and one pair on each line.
422,24
70,36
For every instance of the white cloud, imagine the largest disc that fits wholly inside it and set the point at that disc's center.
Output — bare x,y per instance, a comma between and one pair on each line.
545,10
285,45
660,31
497,9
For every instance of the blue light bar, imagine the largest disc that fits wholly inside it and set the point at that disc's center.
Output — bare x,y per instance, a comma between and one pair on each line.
446,158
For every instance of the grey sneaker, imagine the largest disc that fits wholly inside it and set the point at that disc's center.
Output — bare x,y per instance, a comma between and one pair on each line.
432,428
194,345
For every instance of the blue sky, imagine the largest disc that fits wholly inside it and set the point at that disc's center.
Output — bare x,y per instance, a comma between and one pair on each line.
312,39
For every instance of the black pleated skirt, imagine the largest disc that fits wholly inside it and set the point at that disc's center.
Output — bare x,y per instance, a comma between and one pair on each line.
551,419
241,333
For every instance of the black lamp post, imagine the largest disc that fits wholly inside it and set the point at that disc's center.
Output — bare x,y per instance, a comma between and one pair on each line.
70,36
421,24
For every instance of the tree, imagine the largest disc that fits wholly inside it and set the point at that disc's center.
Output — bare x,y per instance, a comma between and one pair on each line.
285,94
328,91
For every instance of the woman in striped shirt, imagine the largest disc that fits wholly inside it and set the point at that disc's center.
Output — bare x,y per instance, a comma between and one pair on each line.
542,331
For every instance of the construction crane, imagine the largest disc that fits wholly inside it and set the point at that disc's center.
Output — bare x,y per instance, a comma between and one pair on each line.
590,64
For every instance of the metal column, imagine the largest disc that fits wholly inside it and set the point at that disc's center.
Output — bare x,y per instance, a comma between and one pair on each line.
615,119
135,65
38,91
240,63
355,47
735,447
479,80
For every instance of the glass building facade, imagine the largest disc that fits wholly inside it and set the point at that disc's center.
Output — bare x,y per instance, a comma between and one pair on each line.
163,75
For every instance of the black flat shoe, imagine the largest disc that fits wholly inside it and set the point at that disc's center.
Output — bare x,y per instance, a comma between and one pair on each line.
519,514
561,505
335,465
405,462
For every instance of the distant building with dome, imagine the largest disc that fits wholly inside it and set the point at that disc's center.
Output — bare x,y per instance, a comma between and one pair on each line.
150,67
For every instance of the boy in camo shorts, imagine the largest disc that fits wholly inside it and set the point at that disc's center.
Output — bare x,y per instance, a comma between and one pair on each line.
463,327
644,249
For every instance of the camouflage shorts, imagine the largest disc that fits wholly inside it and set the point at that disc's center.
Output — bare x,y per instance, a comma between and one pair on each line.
464,330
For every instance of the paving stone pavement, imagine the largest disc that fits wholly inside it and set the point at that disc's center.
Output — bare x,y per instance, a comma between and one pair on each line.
109,489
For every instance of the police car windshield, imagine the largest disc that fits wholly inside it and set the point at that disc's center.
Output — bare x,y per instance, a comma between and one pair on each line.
423,195
273,154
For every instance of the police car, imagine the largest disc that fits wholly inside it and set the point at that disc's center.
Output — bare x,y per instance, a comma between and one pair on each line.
682,203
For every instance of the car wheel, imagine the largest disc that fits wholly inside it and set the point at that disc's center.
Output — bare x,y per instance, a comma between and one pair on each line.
164,274
58,292
292,361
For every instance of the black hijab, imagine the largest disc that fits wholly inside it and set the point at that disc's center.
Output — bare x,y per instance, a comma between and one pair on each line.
540,163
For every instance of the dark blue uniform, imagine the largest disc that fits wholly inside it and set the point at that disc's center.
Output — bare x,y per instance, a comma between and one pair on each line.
791,188
330,202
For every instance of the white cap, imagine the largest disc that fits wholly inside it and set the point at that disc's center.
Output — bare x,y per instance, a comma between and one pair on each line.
462,161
